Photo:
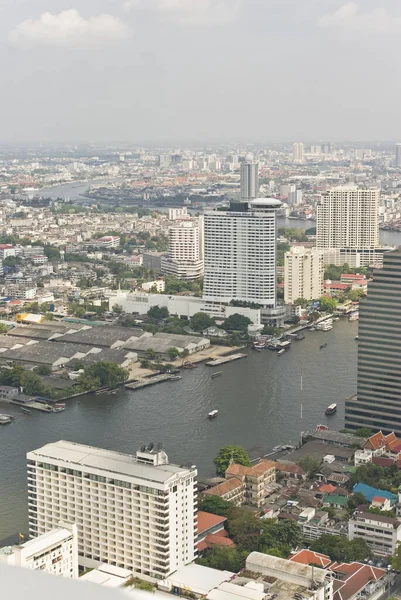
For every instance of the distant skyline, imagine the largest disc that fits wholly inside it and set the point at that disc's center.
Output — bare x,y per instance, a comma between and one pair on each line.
165,71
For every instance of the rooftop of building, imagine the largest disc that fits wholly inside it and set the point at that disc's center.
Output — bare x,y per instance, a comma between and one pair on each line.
108,461
225,487
208,520
307,557
337,437
253,471
201,580
37,544
369,492
266,561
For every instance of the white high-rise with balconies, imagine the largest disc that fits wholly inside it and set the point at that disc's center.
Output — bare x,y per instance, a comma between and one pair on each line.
249,178
348,218
135,512
303,274
185,249
240,253
298,152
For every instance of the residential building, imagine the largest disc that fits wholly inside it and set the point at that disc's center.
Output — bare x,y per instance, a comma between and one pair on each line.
164,160
231,490
298,152
398,155
55,552
382,534
240,253
286,189
185,254
177,213
249,178
20,291
294,198
347,217
108,241
290,577
153,260
376,405
7,250
354,257
303,274
134,512
158,285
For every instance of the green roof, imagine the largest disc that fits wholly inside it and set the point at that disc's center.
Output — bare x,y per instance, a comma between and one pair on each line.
342,500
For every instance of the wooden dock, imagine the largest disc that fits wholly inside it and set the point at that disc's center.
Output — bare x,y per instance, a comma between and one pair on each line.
225,359
141,383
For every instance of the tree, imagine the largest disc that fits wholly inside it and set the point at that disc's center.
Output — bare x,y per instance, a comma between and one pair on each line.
244,528
327,304
227,453
31,383
313,316
236,322
201,321
157,314
280,535
341,549
301,302
396,559
294,320
149,353
117,308
214,504
310,465
43,370
102,373
173,353
3,328
363,432
224,559
52,253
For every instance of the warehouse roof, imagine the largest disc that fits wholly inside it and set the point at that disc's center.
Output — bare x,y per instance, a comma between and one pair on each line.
102,336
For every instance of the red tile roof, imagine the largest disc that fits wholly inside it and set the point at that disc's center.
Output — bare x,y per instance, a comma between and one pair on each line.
327,488
207,520
217,540
307,557
258,469
223,488
378,499
375,441
289,468
355,577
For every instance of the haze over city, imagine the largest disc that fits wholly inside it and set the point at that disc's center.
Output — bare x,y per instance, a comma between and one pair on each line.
169,70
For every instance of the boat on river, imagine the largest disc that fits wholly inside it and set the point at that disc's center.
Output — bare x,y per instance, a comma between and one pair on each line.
323,346
280,352
212,414
217,374
175,377
102,390
331,409
25,410
59,407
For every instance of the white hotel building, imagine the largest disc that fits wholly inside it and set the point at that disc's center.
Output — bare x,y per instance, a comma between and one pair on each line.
240,253
303,274
135,512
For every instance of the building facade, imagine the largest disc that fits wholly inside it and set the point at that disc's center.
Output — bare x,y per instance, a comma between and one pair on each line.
298,152
303,274
348,217
134,512
54,552
382,534
240,253
398,155
377,405
249,178
185,253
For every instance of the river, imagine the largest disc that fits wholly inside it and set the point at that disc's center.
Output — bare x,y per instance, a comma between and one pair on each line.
259,400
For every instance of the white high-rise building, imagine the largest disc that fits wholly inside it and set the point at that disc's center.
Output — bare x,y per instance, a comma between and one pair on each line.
185,250
398,155
249,178
54,552
294,198
303,274
240,253
348,217
164,160
177,213
286,189
135,512
298,152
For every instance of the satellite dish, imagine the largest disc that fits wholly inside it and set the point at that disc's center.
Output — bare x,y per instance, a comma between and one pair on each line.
143,448
151,446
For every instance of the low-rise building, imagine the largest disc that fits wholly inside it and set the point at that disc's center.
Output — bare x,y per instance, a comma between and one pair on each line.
55,552
231,490
257,480
382,534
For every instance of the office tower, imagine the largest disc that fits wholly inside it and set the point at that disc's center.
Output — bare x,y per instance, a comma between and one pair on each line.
240,253
294,198
377,404
398,155
326,148
303,274
54,552
298,152
185,258
348,217
249,178
135,512
177,213
164,160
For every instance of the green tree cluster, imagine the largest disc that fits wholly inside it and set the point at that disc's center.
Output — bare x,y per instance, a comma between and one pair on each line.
100,374
157,314
327,304
201,321
236,322
341,549
229,453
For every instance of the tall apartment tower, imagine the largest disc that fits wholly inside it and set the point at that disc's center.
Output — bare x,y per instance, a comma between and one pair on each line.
249,178
135,512
298,152
185,250
398,155
348,217
240,253
377,404
303,274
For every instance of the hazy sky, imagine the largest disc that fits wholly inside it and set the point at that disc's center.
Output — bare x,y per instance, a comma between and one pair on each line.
170,70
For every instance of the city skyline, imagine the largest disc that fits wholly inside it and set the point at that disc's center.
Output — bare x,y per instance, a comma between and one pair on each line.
113,71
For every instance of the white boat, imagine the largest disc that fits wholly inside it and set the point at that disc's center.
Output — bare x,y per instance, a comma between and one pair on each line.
330,410
354,316
280,352
325,325
175,377
276,449
59,407
212,414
